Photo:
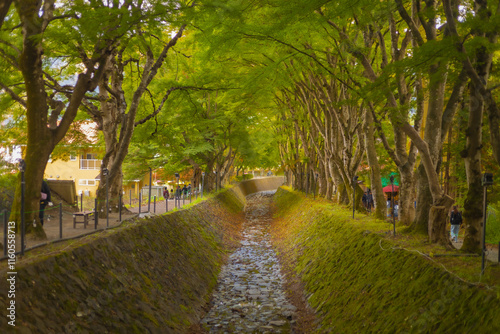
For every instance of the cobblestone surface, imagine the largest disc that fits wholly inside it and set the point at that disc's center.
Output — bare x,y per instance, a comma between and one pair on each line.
249,297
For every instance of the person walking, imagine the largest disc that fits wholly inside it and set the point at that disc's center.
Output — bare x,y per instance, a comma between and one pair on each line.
364,199
166,194
44,200
456,221
369,200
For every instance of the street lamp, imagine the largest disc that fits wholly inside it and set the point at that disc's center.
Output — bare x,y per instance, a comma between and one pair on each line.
392,201
177,191
105,172
486,181
202,182
354,182
150,185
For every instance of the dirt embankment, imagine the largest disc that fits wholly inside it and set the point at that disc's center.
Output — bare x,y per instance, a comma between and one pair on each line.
153,275
359,280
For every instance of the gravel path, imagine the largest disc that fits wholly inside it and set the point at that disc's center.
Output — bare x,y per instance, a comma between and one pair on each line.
249,297
491,252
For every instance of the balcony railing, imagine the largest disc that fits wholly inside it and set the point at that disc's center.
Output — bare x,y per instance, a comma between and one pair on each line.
90,164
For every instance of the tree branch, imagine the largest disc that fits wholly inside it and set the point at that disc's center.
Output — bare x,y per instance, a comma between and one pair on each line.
13,95
4,9
430,169
411,24
452,104
486,94
164,99
382,136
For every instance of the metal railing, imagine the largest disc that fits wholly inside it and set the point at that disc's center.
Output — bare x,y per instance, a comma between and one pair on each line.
64,215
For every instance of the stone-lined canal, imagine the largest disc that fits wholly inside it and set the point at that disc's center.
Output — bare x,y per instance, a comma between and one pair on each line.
249,297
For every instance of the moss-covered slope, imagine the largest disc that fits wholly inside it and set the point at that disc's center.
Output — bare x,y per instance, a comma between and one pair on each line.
153,275
358,283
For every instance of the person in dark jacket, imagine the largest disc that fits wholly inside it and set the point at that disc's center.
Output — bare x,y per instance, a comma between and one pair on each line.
456,221
44,199
364,199
369,200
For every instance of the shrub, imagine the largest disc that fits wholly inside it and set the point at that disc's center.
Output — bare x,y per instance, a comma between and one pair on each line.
244,177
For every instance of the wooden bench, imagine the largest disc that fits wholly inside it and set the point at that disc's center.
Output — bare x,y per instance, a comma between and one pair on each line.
87,215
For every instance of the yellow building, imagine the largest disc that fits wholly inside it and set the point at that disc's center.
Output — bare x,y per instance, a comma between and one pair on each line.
82,165
83,168
133,187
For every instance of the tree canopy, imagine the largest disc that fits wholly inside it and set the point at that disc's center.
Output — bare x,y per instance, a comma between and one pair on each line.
323,90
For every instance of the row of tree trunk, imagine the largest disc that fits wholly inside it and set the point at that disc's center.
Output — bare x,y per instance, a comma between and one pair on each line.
333,123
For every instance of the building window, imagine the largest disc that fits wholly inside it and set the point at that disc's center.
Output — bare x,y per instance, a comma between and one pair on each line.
89,161
89,156
72,157
87,182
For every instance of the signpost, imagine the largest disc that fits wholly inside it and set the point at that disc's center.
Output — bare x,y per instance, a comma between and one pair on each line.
392,203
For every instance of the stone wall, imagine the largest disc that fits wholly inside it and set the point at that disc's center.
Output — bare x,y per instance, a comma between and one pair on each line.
261,184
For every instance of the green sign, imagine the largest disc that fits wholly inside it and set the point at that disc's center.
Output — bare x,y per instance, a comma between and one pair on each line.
387,180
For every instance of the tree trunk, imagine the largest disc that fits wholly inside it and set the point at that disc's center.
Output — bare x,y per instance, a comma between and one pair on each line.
375,178
424,201
197,177
37,155
406,193
448,162
432,136
209,184
44,131
473,214
441,203
114,114
110,119
437,222
324,186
